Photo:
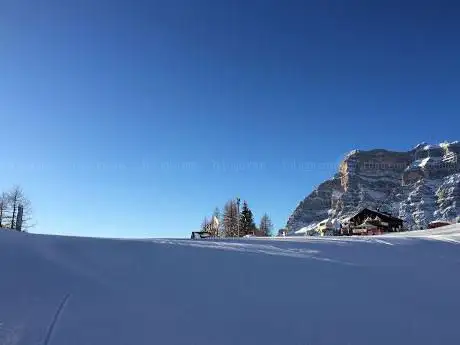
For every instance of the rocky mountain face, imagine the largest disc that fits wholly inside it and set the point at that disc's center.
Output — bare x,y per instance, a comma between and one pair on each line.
417,186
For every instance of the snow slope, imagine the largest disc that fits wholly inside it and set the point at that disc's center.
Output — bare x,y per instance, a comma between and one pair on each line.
371,290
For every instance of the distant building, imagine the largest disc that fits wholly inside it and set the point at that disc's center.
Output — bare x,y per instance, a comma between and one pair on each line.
370,222
200,234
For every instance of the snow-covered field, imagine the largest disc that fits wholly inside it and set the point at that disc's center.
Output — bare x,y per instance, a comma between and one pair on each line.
394,289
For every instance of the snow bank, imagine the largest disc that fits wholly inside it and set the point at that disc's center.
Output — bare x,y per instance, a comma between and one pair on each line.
399,289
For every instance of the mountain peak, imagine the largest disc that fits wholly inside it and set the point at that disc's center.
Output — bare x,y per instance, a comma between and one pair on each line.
419,186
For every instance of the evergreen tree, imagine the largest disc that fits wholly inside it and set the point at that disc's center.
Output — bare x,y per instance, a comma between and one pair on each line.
266,226
247,225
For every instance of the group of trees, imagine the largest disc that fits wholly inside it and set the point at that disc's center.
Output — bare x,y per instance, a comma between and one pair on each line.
236,221
15,210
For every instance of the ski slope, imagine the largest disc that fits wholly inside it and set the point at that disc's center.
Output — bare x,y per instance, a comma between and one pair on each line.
394,289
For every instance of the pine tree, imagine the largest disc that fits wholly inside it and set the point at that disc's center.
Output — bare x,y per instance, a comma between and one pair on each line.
230,219
247,225
266,226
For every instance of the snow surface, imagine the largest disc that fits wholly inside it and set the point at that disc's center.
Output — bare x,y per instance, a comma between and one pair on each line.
393,289
305,229
431,147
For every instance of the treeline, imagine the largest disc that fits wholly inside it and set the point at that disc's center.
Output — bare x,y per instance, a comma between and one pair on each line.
15,210
236,220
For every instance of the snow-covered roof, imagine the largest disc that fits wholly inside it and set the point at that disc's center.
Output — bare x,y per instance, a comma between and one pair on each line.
382,214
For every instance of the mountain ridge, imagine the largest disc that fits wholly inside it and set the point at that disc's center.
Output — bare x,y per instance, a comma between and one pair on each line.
419,185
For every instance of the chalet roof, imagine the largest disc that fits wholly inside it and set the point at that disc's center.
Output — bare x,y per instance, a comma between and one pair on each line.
440,221
381,215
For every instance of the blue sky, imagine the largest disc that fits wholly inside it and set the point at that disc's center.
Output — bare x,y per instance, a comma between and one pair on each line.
137,118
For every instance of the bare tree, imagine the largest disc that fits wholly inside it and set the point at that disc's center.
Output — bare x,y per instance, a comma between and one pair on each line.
18,210
211,225
205,224
266,226
4,203
230,219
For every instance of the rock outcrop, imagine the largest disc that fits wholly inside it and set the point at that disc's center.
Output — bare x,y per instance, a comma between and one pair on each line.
419,186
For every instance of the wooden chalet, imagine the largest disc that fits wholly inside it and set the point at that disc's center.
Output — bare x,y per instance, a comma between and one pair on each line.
371,222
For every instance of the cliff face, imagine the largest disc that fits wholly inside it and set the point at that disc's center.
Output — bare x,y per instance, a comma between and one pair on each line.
418,186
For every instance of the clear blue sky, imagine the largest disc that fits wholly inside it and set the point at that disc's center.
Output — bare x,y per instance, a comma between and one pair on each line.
137,118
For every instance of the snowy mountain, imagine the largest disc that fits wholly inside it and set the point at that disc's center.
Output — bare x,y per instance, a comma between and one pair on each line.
418,186
378,290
